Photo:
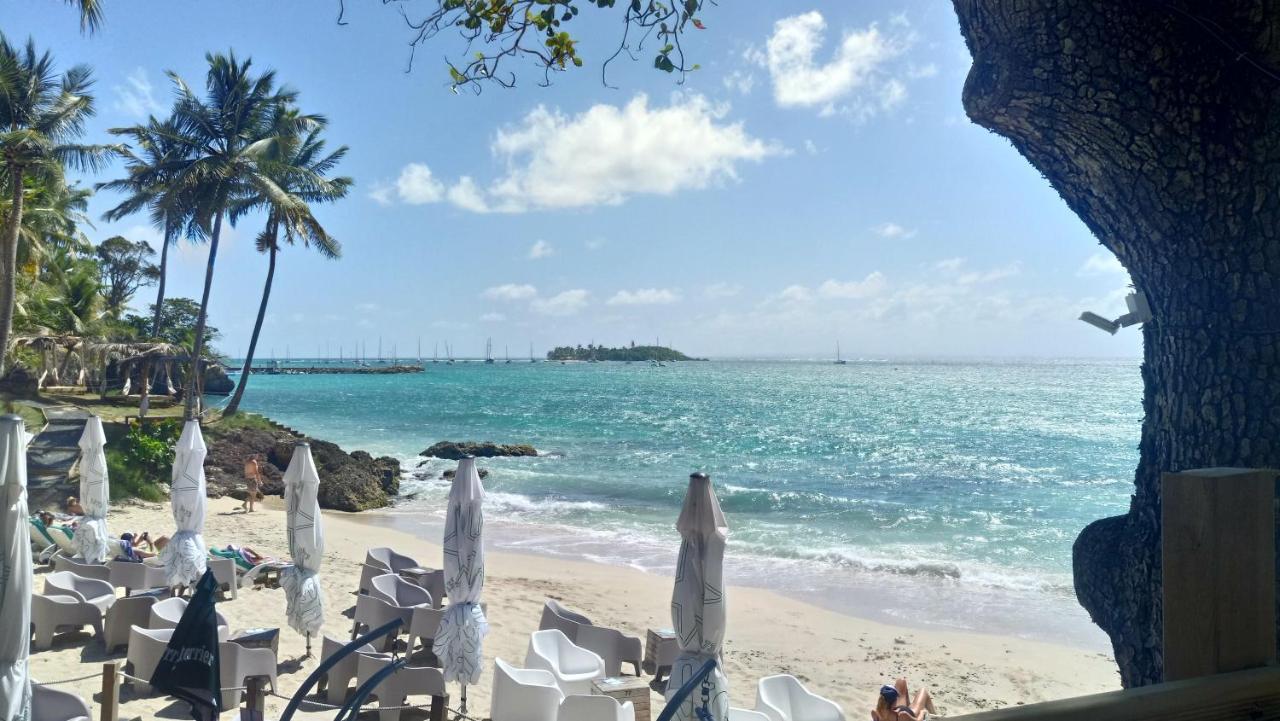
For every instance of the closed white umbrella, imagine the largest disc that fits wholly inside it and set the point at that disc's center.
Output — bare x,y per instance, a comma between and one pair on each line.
698,602
91,535
15,573
463,627
185,557
304,605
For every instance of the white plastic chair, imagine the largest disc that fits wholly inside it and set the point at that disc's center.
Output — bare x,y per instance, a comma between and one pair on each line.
407,681
224,572
146,647
239,663
610,644
784,698
742,714
167,613
574,667
89,590
423,626
556,616
50,704
595,708
64,562
58,614
523,694
372,612
434,583
133,576
337,679
399,592
124,614
378,561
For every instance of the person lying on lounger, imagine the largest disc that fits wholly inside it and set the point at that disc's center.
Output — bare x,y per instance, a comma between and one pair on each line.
894,703
250,556
73,506
131,546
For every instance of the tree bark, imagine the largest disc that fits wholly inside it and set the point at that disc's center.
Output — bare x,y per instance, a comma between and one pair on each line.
234,405
164,270
193,383
9,264
1157,124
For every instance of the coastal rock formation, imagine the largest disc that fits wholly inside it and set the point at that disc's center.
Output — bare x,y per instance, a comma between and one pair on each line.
348,481
216,380
455,450
450,473
19,381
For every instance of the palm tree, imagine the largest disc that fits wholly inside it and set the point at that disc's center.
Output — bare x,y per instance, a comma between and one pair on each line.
297,165
155,154
90,14
226,130
39,114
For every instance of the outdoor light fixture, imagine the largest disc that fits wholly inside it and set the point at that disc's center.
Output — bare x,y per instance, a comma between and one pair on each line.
1139,312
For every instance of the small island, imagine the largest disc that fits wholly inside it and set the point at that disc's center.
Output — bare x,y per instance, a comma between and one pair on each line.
633,352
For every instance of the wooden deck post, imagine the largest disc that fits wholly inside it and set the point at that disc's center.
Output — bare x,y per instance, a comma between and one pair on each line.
439,708
1219,571
253,700
110,704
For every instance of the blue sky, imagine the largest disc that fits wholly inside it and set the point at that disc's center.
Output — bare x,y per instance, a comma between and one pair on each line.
816,180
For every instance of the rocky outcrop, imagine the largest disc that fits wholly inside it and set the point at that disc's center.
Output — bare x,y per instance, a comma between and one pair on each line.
348,481
216,380
19,381
455,450
450,473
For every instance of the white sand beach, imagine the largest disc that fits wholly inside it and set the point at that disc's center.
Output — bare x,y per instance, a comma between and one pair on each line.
838,656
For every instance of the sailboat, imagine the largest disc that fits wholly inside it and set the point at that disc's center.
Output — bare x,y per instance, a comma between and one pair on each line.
507,350
531,359
488,352
840,361
448,352
435,354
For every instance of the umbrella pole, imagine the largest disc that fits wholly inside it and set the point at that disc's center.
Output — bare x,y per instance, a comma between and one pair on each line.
462,710
308,645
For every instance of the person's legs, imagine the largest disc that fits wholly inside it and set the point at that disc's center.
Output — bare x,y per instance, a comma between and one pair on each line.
903,696
924,702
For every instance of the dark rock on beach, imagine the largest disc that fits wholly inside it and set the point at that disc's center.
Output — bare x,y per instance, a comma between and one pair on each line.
216,381
455,450
450,473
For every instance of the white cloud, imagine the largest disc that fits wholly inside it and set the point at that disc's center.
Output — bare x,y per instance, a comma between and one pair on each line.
794,294
721,290
417,186
874,284
568,302
949,265
510,291
493,317
893,231
136,98
382,193
541,249
987,276
1103,263
644,296
467,196
922,71
740,81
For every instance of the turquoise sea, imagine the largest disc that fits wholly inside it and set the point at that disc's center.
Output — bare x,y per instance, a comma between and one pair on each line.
927,493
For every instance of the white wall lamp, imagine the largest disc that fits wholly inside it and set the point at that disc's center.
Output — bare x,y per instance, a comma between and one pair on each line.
1139,312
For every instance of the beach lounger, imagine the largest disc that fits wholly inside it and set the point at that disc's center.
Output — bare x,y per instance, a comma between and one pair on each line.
167,613
64,562
91,590
337,680
595,708
124,614
423,626
266,573
523,694
610,644
50,704
146,647
378,561
395,590
56,538
742,714
52,615
133,576
784,698
574,667
239,663
396,689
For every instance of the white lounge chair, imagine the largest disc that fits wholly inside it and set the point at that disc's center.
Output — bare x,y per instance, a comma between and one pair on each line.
742,714
167,613
146,647
337,679
614,646
64,562
239,663
523,694
224,572
434,583
50,704
423,626
58,614
55,538
595,708
124,614
784,698
378,561
574,667
90,590
395,689
133,576
399,592
372,612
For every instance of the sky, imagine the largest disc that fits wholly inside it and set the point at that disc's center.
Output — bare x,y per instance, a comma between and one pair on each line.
815,181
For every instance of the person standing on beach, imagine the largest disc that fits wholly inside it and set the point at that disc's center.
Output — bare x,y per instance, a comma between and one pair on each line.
253,482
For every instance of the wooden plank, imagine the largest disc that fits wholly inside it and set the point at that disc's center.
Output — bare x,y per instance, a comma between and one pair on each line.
110,699
1218,571
1253,694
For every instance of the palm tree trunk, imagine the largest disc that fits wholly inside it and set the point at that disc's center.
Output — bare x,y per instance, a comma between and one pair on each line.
9,265
234,405
164,268
193,383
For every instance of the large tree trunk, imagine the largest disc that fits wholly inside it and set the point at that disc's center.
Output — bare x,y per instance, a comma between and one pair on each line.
1157,124
234,405
193,386
9,264
164,271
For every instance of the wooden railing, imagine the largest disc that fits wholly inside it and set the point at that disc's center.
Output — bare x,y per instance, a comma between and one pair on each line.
1252,695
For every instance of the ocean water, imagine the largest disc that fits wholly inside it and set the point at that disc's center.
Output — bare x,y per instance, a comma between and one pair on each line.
932,494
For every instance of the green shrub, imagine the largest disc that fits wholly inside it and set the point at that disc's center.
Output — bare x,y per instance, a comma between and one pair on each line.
148,447
128,481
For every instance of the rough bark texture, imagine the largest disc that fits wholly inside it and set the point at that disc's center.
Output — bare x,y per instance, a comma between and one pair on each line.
191,397
1159,125
234,405
9,263
164,271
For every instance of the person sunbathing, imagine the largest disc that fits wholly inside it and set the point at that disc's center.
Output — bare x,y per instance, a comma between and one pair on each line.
73,506
892,704
131,546
250,556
